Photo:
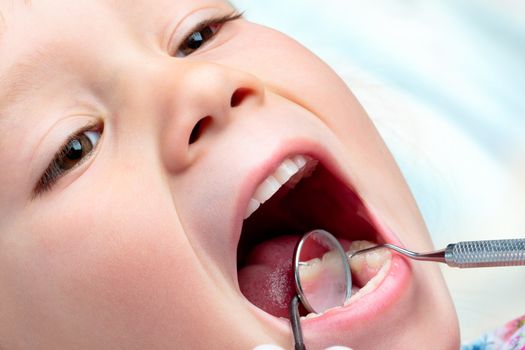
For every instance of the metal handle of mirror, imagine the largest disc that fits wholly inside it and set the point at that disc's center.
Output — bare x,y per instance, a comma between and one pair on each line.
492,253
296,324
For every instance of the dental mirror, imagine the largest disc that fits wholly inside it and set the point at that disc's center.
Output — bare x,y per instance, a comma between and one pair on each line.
322,272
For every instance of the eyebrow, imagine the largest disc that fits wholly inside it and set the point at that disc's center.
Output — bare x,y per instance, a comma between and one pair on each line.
15,81
18,80
2,23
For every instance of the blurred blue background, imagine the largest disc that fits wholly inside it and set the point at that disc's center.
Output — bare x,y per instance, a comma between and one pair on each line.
444,82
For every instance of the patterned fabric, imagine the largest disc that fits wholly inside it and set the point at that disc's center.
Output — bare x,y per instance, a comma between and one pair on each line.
509,337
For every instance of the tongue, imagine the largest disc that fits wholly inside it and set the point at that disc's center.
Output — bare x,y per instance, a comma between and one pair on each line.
267,278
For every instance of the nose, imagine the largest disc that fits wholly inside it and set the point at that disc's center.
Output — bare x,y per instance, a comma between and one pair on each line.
202,99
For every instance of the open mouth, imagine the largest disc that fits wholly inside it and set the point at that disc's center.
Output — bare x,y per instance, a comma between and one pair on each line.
302,195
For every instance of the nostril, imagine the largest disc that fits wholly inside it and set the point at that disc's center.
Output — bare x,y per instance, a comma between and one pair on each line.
198,129
238,96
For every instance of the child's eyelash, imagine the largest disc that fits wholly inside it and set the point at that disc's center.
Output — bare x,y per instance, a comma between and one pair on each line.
184,47
55,169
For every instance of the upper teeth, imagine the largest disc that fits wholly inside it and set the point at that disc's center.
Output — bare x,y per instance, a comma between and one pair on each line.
290,167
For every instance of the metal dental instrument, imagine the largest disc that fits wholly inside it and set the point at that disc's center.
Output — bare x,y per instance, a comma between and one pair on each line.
296,324
322,278
469,254
322,272
320,263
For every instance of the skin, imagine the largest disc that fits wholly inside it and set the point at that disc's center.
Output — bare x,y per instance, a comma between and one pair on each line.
133,249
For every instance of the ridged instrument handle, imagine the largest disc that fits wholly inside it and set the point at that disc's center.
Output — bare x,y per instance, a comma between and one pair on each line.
503,252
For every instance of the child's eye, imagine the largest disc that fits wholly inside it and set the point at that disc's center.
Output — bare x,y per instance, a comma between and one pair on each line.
73,152
202,33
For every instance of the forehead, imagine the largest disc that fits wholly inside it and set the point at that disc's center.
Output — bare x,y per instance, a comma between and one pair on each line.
40,33
26,24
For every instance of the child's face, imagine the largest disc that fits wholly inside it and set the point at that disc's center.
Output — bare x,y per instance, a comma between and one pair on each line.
130,239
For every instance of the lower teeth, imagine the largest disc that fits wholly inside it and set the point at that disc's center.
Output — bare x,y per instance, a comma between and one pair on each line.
368,270
365,266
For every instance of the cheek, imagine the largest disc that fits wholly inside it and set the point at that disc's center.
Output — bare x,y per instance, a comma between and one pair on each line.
113,262
295,73
292,71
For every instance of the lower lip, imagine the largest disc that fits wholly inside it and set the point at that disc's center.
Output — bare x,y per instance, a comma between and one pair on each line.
367,308
372,305
336,323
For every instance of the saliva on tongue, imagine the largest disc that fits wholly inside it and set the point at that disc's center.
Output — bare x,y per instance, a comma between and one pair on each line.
267,279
